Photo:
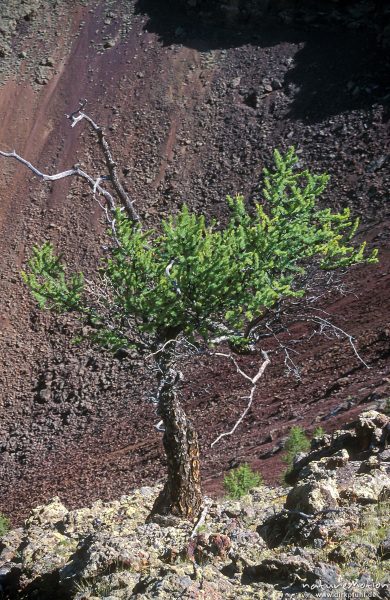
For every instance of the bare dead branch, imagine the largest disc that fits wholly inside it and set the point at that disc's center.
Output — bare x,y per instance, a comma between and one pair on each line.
223,332
160,426
77,116
290,365
326,324
172,341
102,294
239,370
44,176
74,171
95,184
168,270
254,324
254,380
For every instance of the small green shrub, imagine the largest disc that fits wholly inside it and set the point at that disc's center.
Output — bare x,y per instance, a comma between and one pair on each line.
239,481
4,525
297,442
319,432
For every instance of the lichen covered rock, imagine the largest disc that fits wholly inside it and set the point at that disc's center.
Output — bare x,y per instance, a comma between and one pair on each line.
313,496
327,531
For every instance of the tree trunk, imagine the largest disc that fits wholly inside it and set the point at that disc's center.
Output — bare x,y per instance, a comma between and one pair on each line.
181,495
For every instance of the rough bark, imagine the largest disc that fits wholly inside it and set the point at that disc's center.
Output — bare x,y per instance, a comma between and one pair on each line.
181,495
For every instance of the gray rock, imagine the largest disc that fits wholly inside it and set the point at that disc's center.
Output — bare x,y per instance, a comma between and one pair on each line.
256,547
43,75
367,488
370,429
109,44
235,83
312,497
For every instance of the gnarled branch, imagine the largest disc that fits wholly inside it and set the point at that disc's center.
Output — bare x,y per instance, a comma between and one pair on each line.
77,116
254,380
75,171
326,324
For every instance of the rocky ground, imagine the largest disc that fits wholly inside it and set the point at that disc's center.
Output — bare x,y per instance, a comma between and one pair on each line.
194,107
327,536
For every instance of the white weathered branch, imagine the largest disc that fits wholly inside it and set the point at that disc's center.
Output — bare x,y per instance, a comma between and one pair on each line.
254,380
239,370
220,328
337,331
168,274
160,426
288,361
102,294
172,341
74,171
220,339
78,116
44,176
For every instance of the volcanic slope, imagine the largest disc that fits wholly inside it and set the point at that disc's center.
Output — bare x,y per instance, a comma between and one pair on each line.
193,112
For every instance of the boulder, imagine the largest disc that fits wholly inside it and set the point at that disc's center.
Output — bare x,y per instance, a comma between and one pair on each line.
372,430
47,515
288,570
370,436
270,543
99,554
367,488
313,496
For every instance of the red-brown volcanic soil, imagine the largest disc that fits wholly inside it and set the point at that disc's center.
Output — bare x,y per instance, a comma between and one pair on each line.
193,112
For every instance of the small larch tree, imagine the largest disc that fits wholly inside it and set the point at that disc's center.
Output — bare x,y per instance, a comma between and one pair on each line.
296,443
195,280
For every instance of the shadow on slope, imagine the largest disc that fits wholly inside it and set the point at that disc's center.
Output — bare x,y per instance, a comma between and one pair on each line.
337,68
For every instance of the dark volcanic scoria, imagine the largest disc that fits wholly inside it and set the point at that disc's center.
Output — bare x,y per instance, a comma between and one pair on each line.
194,105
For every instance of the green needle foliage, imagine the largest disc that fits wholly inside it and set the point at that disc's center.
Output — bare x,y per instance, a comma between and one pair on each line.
199,278
319,432
4,525
239,481
48,282
296,442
